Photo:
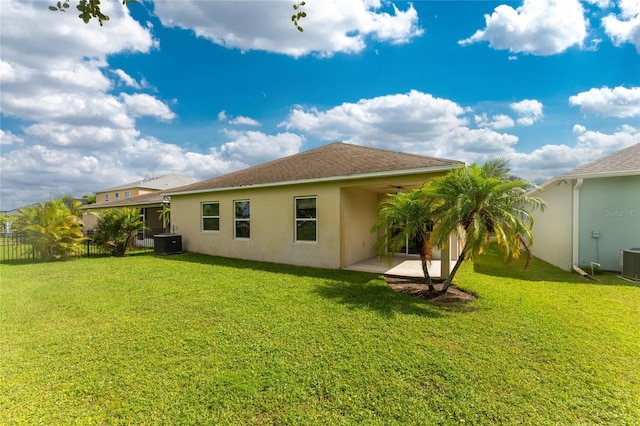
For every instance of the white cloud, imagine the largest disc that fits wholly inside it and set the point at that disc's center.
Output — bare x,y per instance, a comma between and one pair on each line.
222,115
8,138
625,27
84,137
413,122
142,104
257,147
529,111
126,79
499,121
246,121
331,26
602,4
618,102
538,27
553,160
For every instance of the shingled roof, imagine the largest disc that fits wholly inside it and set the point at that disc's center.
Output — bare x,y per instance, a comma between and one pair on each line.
157,183
623,162
332,161
155,197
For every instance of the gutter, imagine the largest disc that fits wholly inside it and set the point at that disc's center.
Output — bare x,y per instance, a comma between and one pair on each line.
389,173
576,228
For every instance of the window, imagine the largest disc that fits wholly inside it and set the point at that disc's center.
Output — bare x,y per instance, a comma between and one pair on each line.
306,219
106,197
409,246
117,195
242,219
127,194
210,216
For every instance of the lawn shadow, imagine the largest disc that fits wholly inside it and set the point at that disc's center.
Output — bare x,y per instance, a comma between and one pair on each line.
354,277
376,296
358,290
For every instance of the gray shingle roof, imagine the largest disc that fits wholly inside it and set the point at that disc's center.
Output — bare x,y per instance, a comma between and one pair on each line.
158,183
140,200
329,161
623,161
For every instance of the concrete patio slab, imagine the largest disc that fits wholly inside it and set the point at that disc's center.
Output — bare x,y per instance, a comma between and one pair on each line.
399,267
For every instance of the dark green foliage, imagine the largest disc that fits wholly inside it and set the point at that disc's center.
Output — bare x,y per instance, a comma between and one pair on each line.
117,229
298,16
478,203
89,9
52,230
402,217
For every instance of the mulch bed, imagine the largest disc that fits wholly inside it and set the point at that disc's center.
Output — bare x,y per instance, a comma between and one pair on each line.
415,287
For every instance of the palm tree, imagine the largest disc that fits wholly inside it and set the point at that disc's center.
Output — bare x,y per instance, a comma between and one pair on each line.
402,217
117,229
478,202
52,230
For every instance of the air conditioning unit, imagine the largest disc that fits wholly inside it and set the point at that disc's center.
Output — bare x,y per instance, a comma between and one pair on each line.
631,264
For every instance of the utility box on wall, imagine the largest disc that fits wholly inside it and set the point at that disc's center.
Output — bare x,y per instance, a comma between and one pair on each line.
164,244
631,264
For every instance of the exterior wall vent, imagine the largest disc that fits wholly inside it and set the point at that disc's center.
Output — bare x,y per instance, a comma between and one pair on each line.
631,264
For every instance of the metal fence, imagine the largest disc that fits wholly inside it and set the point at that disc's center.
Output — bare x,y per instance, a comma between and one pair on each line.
15,249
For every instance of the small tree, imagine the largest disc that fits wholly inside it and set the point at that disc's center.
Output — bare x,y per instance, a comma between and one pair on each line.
165,217
117,229
478,202
4,221
52,230
402,217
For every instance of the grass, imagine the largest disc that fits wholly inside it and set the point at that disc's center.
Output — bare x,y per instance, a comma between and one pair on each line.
192,339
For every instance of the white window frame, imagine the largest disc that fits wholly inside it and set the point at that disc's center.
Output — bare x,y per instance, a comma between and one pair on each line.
127,194
203,217
117,195
106,197
242,219
304,219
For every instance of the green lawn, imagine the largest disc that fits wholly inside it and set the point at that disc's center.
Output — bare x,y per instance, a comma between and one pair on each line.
191,339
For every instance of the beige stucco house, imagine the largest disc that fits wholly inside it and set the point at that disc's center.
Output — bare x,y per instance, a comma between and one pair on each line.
314,208
141,187
145,195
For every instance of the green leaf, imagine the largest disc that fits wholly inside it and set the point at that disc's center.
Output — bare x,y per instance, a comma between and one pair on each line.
53,8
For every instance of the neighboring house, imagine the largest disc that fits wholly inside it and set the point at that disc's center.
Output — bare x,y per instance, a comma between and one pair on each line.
148,198
145,186
593,212
314,208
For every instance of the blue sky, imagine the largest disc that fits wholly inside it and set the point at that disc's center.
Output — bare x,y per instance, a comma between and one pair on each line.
208,87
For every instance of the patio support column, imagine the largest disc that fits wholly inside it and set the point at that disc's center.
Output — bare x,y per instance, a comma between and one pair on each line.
445,262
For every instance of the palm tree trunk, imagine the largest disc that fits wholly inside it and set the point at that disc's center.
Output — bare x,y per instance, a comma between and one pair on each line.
449,280
424,258
425,271
526,247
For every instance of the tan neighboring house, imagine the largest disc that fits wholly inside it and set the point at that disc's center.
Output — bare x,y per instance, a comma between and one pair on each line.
314,208
144,194
145,186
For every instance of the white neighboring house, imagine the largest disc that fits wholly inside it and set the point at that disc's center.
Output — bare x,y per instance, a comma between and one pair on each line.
593,213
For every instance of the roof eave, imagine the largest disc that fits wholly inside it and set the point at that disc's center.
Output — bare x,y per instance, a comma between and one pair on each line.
105,206
322,180
561,178
600,175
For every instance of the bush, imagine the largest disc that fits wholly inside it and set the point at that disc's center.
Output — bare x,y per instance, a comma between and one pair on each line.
117,229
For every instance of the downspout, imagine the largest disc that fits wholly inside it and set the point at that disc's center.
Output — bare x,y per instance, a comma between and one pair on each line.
576,228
